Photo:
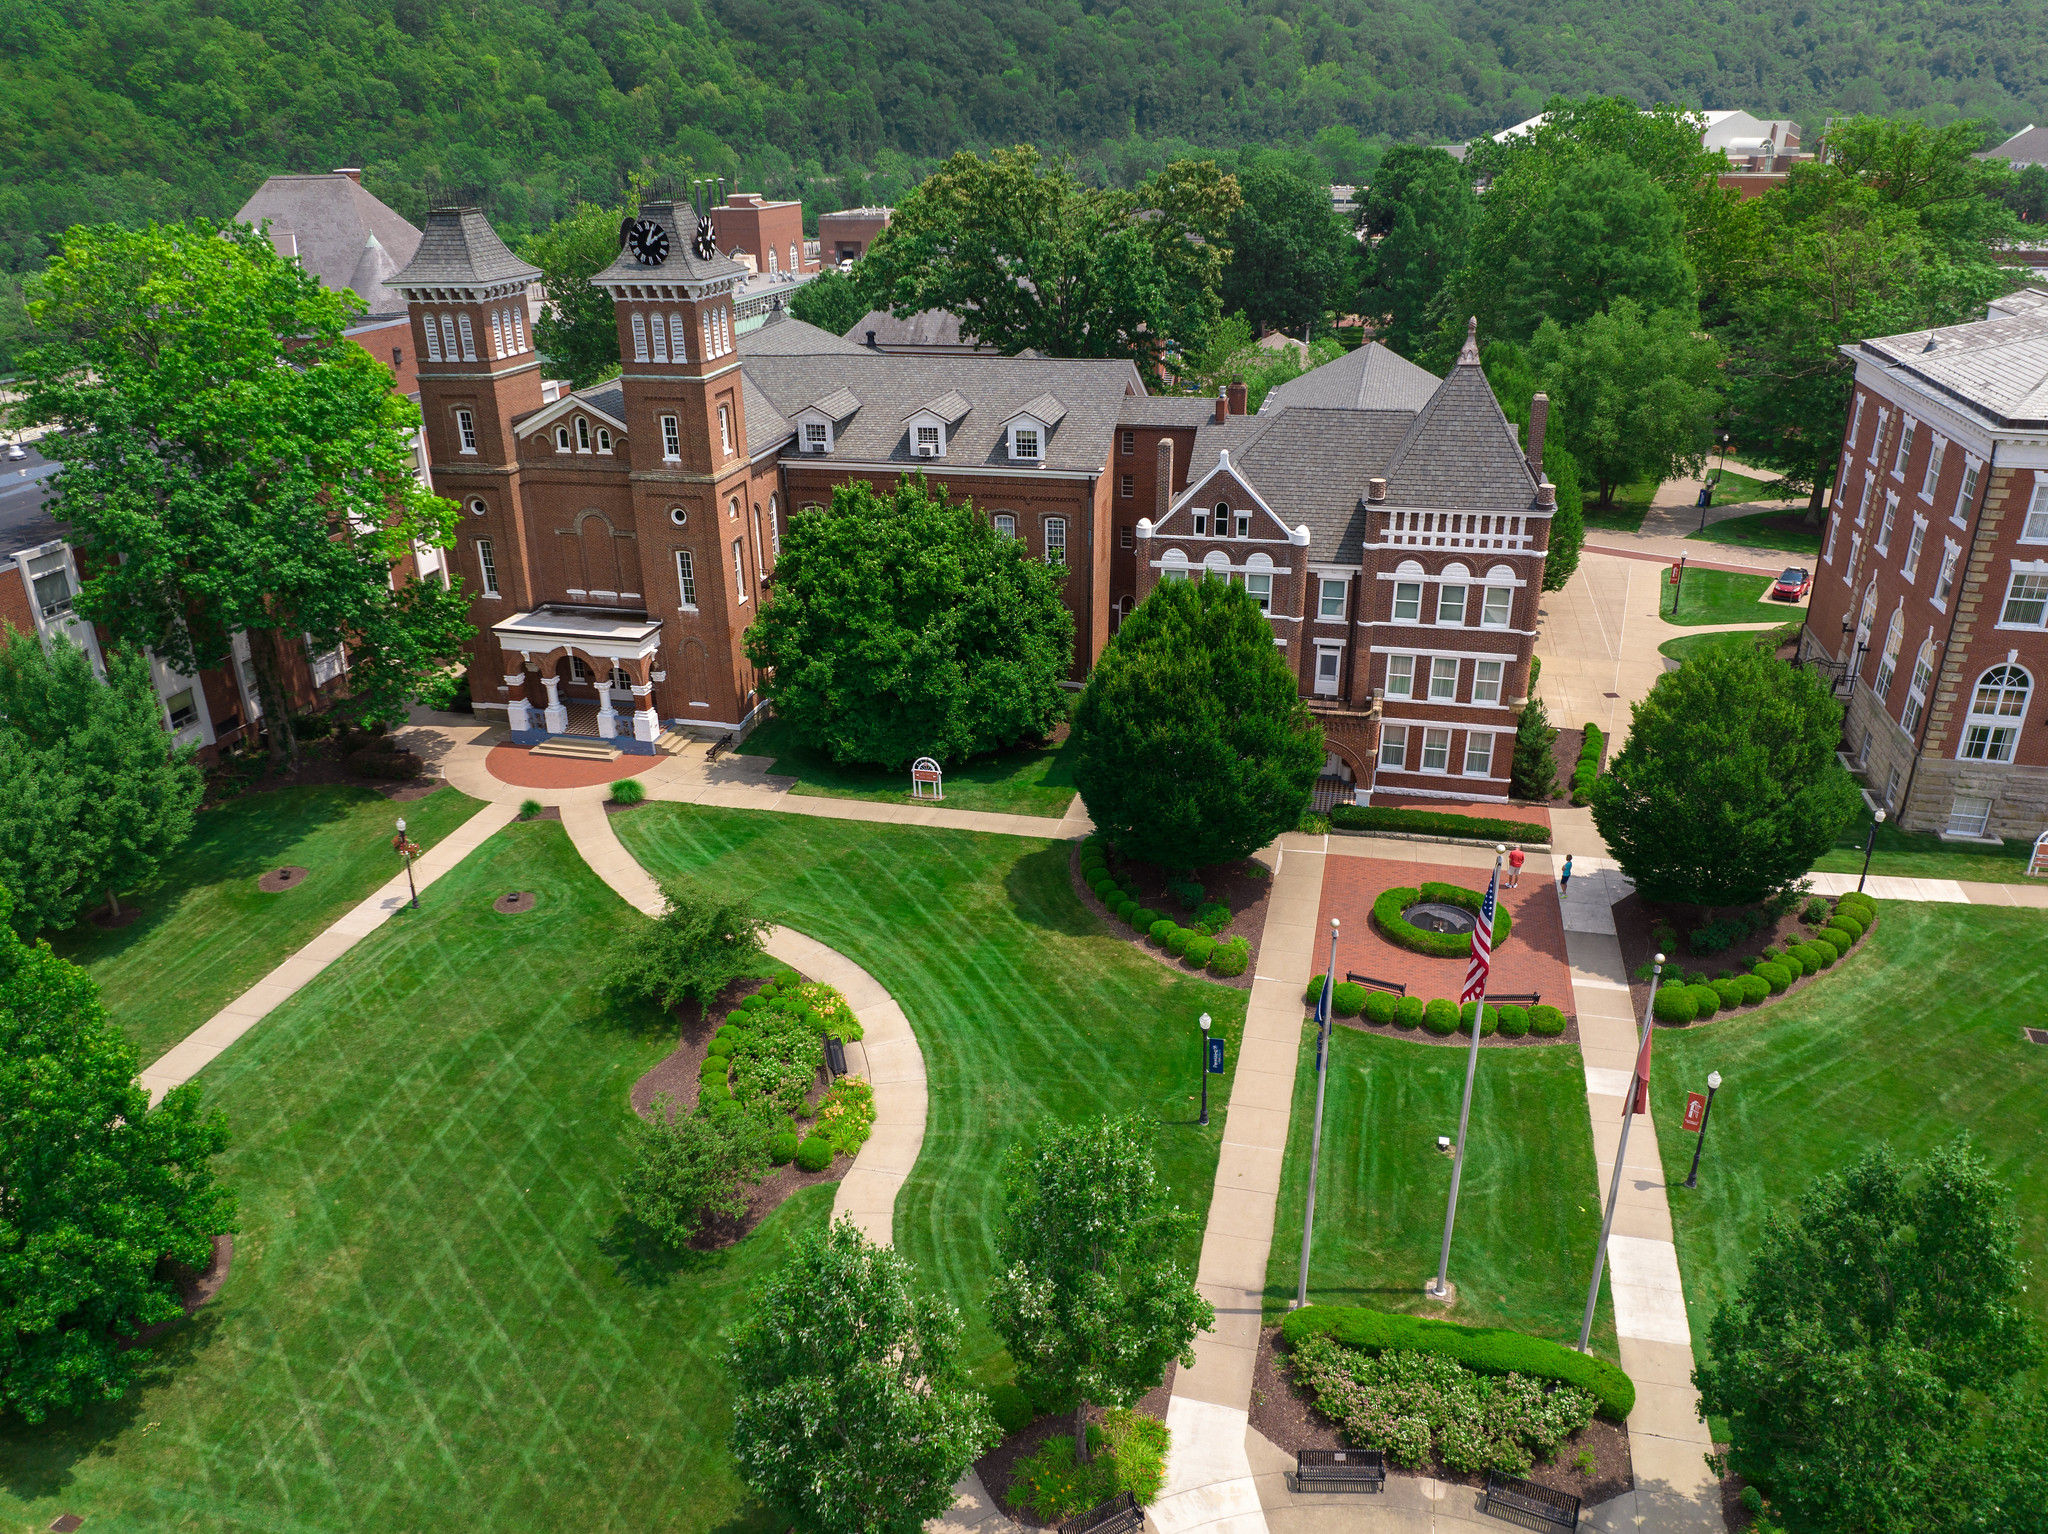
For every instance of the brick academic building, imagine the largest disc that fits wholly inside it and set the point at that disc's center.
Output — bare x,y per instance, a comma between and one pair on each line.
618,539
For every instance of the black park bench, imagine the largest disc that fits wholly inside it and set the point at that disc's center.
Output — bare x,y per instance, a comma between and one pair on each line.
1513,1500
1340,1470
1119,1515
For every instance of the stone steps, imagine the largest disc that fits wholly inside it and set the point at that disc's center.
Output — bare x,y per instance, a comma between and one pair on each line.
581,750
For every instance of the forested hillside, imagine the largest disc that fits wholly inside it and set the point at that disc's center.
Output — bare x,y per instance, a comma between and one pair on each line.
122,109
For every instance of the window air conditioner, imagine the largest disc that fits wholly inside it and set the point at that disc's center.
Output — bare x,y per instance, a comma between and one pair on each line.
926,450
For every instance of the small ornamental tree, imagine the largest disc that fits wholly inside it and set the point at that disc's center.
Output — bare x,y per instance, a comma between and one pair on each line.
849,1406
903,625
1192,743
1728,788
1876,1346
1534,773
97,1189
703,940
687,1167
1090,1295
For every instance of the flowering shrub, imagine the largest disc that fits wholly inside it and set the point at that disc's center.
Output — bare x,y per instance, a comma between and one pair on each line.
1129,1454
1403,1403
847,1114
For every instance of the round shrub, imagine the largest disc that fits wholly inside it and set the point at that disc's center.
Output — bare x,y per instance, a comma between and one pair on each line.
1469,1010
1126,911
1230,959
1347,998
1145,918
1847,921
721,1044
814,1154
1440,1017
781,1149
1776,976
1754,988
1860,906
1791,964
1674,1004
1380,1007
1546,1022
1706,1001
1514,1022
1178,939
1161,929
713,1068
1113,898
1815,956
1200,949
1097,878
1836,939
1408,1012
1731,994
714,1091
1314,990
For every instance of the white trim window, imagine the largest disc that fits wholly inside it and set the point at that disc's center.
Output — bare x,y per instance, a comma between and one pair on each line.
1407,601
1056,543
2026,600
488,565
1905,448
1998,706
1244,525
1966,498
2035,528
1330,595
1849,564
468,339
1968,815
686,580
1005,524
1450,605
739,569
1394,746
1827,555
1486,680
1024,442
1916,689
1260,589
431,325
1888,662
465,431
817,437
1497,607
1911,568
1201,524
1930,477
1400,676
1329,669
1443,678
582,434
927,444
725,428
1436,750
659,330
1884,531
1945,582
1479,754
774,529
604,440
562,444
449,346
671,440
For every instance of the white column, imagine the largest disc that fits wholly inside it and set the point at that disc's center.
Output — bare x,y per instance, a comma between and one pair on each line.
518,713
607,716
557,716
646,723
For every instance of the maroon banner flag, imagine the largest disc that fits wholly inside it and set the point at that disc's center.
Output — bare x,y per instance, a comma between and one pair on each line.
1695,1112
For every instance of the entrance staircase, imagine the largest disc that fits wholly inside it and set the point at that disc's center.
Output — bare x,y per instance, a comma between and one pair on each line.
581,748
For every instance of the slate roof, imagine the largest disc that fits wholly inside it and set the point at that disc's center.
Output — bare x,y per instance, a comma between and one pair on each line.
1461,453
948,407
1311,464
460,249
608,397
839,404
1043,408
1996,367
1370,378
1166,410
996,389
682,264
926,328
2029,146
766,425
338,232
783,334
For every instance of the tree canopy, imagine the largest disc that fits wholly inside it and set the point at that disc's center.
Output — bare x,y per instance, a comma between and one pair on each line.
705,938
1192,743
1291,258
1728,789
577,330
902,624
1418,216
1607,232
97,1189
832,301
232,463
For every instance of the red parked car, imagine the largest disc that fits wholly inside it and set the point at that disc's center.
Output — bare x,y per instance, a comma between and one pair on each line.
1792,586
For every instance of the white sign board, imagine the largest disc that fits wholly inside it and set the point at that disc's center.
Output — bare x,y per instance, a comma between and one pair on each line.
925,774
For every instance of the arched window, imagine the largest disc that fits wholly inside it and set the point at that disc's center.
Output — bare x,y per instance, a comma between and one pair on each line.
468,340
1004,523
497,332
1258,581
433,331
562,443
519,326
1998,706
448,338
604,440
1888,663
639,338
582,435
1916,688
774,529
1173,565
660,339
1866,617
676,331
792,256
1217,563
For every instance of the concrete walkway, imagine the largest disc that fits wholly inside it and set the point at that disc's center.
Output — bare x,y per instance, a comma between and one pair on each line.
1674,515
199,1048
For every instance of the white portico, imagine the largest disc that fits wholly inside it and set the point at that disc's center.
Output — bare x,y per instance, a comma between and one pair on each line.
613,653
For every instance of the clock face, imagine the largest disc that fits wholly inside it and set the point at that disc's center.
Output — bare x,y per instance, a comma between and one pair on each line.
705,246
648,241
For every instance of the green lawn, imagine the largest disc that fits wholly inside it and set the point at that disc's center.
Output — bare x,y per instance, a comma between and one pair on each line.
1717,596
431,1323
1914,1037
207,933
1024,1004
1686,646
1785,531
1734,489
1025,781
1631,505
1528,1208
1927,857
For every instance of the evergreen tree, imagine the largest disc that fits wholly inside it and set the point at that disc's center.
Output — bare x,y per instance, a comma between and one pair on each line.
1534,773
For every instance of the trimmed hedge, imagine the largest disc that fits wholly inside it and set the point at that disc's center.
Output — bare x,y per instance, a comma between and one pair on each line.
1440,1017
1587,769
1380,1007
1178,939
1546,1022
1408,1012
1469,1010
1776,976
714,1068
1754,988
1387,909
1160,930
781,1149
1674,1004
1144,917
1514,1022
1358,817
1231,958
1731,993
1486,1349
814,1154
1201,948
716,1090
1347,998
1127,911
1706,1000
1314,991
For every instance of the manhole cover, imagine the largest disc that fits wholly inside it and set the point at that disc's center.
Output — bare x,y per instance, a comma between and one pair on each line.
66,1523
279,879
2036,1035
1610,695
1438,916
514,903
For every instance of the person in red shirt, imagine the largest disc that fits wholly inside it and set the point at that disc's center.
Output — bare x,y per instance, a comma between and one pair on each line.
1514,865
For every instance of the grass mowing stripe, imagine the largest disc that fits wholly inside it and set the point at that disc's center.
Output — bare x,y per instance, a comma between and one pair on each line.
1023,1003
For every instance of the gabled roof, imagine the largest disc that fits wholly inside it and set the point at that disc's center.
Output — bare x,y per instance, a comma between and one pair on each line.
836,406
1461,452
460,249
765,424
682,263
606,401
1315,463
338,232
948,407
2029,146
1043,409
1224,469
782,334
1370,378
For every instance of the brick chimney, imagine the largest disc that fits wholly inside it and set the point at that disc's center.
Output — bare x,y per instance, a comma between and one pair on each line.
1222,406
1162,494
1238,395
1539,419
1376,489
353,173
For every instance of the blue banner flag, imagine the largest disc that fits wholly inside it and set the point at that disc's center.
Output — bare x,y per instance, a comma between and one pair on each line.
1215,1057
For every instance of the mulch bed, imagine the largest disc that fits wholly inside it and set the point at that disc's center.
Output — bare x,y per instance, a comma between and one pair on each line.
278,880
998,1467
194,1289
318,765
108,922
1244,892
513,903
613,807
552,812
1285,1413
676,1075
1564,752
1634,917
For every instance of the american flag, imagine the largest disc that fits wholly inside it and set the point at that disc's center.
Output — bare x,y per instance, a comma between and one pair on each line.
1482,946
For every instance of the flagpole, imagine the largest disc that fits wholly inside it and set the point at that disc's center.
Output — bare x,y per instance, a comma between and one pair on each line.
1315,1142
1441,1289
1628,1115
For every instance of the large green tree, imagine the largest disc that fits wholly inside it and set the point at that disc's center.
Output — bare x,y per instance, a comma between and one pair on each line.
902,624
578,331
102,796
97,1189
1028,256
1090,1295
1516,383
1728,789
1418,217
1872,1354
232,463
832,301
1290,255
850,1408
1192,744
1634,393
1609,231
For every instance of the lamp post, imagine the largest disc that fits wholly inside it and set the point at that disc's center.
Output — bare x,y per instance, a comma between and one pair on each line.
1204,1119
407,850
1692,1178
1869,845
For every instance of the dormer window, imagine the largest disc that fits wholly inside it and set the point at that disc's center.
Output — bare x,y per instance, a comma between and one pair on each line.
1024,442
817,437
930,443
